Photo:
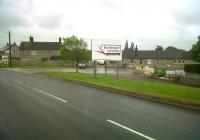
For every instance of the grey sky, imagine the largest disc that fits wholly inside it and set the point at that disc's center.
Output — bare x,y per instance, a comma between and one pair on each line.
146,22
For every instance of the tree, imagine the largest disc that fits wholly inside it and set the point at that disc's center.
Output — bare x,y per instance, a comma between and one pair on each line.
74,49
171,48
159,48
132,51
132,46
195,51
126,45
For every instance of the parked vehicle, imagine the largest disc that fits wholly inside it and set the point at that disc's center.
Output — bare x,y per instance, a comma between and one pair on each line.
82,64
100,62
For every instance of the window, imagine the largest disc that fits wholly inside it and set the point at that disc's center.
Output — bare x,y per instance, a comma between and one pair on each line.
158,61
174,61
33,52
149,61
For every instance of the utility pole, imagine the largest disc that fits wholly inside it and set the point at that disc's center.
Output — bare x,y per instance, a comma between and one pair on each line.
10,58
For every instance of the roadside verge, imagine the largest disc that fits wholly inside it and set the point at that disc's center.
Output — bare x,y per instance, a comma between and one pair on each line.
182,96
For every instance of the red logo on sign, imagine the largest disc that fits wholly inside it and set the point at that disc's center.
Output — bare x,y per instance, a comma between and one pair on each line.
101,51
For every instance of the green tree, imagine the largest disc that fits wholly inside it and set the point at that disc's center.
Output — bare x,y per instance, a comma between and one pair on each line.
195,51
171,48
126,45
132,46
74,49
159,48
132,51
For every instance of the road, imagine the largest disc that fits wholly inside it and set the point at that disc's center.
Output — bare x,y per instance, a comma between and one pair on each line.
35,107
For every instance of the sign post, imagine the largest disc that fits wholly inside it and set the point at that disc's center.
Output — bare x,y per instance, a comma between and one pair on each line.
107,51
105,69
95,68
117,70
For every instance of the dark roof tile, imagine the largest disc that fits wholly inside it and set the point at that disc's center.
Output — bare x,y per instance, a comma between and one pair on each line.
6,47
145,54
40,46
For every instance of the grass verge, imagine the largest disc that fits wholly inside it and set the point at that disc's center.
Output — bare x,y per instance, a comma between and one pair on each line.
37,66
164,91
3,66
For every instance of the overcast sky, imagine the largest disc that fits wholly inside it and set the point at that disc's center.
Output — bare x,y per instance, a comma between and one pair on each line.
146,22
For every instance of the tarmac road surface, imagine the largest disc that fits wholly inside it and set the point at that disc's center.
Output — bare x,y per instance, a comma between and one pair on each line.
35,107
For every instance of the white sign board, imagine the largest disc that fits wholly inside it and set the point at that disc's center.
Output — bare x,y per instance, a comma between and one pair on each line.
107,52
147,69
170,72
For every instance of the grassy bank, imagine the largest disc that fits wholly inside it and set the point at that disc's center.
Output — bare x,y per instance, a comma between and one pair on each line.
170,92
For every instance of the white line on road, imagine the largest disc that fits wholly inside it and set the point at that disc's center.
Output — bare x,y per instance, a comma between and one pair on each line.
19,82
131,130
44,92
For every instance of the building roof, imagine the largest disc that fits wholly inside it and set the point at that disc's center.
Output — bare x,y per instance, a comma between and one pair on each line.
1,52
6,47
150,54
40,45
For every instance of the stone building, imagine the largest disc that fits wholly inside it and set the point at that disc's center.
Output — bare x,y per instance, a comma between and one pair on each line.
15,53
170,59
32,50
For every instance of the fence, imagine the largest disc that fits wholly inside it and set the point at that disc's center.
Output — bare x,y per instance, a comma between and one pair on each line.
189,81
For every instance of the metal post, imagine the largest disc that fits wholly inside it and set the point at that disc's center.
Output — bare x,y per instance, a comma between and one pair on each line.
117,70
94,64
105,69
10,58
95,69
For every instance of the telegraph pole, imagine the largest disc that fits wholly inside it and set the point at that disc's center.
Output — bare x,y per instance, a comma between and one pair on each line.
10,58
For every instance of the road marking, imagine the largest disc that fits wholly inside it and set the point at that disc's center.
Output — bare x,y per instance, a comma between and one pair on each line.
131,130
18,82
44,92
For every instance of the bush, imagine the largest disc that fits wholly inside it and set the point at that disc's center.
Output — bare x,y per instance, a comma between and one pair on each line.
124,65
192,68
55,57
43,59
160,72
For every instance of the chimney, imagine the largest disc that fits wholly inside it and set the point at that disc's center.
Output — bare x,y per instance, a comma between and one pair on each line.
31,39
59,39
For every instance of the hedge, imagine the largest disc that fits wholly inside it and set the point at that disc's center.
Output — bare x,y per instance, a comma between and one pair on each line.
192,68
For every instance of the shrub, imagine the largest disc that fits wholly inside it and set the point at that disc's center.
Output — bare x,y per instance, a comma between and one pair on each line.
193,68
160,72
55,57
44,59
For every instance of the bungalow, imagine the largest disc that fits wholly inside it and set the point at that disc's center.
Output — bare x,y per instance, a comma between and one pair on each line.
158,58
31,50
